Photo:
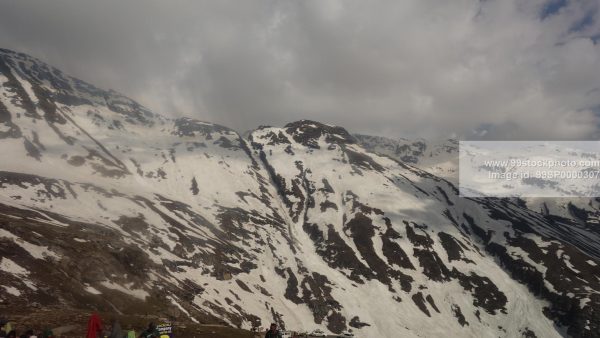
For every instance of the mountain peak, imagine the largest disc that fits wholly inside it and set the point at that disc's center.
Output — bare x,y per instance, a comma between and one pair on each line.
308,132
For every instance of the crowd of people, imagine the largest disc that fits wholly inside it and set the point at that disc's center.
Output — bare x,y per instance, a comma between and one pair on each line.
95,329
7,331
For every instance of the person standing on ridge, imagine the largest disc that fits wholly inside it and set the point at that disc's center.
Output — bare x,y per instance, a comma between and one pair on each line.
273,332
116,331
151,332
94,329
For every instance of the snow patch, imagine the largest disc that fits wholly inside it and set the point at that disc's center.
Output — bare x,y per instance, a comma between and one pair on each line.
36,251
12,290
137,293
92,290
11,267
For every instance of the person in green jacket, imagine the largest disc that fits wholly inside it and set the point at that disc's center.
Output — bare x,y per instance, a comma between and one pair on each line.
273,332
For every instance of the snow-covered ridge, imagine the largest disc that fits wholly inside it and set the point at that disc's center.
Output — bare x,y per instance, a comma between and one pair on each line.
576,220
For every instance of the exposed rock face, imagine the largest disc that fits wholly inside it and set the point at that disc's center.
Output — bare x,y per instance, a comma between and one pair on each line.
106,205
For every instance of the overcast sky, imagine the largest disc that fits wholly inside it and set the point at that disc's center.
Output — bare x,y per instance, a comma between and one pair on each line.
510,68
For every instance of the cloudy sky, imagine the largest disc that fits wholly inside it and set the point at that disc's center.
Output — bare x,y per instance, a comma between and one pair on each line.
504,68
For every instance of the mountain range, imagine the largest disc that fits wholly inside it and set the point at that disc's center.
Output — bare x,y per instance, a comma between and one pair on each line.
106,205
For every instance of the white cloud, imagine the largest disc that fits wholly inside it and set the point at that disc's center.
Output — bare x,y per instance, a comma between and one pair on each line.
414,68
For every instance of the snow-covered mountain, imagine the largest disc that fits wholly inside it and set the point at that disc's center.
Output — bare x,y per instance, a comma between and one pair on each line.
577,220
106,205
437,157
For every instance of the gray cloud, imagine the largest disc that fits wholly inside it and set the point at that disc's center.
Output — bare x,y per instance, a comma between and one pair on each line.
507,68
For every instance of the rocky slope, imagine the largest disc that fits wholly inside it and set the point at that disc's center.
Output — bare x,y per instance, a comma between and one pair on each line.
106,205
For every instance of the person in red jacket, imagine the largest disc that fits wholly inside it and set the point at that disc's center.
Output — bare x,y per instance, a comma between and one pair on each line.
94,329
